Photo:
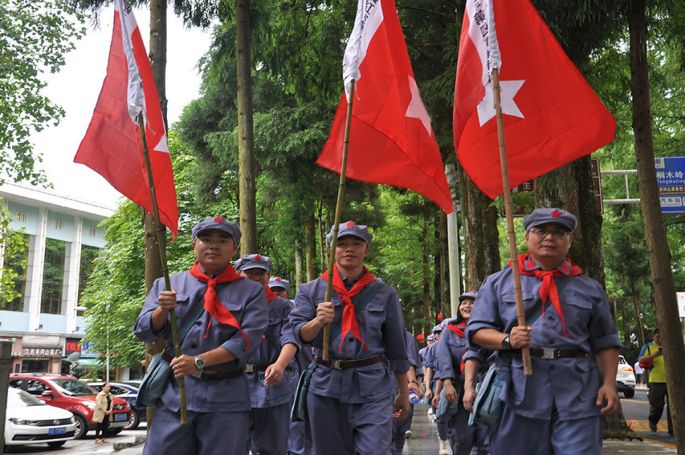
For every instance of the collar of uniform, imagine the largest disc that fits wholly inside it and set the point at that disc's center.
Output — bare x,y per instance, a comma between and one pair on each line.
349,282
564,267
215,274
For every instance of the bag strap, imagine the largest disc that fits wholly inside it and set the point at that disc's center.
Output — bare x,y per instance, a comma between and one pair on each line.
193,315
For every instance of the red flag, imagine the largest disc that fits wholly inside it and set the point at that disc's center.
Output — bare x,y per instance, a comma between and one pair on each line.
391,140
112,146
551,114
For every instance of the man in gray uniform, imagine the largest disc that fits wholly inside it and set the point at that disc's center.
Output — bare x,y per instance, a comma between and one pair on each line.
350,401
215,348
270,370
572,339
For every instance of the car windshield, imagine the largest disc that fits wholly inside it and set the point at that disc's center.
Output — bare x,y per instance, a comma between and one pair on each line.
74,388
18,398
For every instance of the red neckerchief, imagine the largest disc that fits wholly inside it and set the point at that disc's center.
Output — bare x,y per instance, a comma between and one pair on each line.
349,319
270,295
212,304
548,289
458,330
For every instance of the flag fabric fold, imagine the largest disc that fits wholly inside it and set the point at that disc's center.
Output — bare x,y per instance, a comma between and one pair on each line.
112,145
551,114
391,139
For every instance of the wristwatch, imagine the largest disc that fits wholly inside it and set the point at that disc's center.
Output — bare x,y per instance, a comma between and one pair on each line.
200,365
506,344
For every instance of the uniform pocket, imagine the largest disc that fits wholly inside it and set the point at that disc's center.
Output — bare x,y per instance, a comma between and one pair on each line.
373,383
589,378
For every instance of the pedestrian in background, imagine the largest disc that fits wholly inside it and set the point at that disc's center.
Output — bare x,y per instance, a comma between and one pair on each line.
656,381
101,415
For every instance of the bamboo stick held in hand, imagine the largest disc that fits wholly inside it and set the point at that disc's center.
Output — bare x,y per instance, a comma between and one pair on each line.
336,221
508,210
165,269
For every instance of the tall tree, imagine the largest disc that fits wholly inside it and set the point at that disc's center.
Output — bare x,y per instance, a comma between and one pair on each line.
660,255
34,39
246,161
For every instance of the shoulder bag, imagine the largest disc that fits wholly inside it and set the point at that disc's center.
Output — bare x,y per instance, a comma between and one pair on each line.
159,371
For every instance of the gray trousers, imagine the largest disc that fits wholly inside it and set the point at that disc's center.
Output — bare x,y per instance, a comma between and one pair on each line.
211,433
658,397
348,429
269,429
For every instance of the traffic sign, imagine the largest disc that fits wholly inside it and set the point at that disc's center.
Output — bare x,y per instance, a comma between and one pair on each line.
670,177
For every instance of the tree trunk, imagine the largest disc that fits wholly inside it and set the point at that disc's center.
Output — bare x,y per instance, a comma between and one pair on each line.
310,242
428,314
323,257
246,159
298,263
481,237
153,264
655,231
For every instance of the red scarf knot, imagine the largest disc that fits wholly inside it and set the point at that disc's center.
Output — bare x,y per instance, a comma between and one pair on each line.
349,318
458,329
212,303
548,289
270,295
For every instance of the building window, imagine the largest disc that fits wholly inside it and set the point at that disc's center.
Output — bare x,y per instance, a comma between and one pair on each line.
88,255
13,283
53,276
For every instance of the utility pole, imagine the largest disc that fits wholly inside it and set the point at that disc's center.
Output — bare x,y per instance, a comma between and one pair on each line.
453,242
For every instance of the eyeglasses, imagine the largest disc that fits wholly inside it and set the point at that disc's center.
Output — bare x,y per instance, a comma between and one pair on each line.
556,233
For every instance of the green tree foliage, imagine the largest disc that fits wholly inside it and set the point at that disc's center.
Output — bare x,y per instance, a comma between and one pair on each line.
34,39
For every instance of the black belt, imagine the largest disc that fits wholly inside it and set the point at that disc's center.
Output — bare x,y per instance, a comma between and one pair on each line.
210,373
550,353
252,368
339,364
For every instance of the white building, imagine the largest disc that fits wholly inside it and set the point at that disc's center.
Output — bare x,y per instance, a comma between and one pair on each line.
45,322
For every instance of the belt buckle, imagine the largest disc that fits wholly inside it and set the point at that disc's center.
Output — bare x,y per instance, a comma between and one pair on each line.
549,353
249,368
335,364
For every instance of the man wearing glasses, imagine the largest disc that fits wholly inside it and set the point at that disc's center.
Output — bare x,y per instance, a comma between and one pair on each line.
572,339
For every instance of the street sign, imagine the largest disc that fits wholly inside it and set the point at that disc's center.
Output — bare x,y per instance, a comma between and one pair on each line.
670,177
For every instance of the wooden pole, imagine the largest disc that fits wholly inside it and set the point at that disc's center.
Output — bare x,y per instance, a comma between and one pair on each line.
165,270
336,221
508,210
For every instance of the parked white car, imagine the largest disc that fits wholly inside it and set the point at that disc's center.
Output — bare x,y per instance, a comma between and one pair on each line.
30,421
625,378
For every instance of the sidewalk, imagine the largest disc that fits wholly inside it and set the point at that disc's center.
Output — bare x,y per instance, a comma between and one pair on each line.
424,440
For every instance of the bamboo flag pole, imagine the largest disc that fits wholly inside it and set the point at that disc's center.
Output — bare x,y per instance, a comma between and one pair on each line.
338,214
508,210
165,270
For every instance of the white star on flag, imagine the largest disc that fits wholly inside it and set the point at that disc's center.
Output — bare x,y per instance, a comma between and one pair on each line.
508,90
416,109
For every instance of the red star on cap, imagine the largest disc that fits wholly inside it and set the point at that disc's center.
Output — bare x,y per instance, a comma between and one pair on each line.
556,214
350,224
278,280
257,257
218,219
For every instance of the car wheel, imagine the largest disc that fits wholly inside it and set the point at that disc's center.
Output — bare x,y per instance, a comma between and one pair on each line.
629,393
81,427
56,444
133,421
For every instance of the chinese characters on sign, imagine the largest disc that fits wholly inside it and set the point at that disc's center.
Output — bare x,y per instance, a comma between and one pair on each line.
670,177
42,352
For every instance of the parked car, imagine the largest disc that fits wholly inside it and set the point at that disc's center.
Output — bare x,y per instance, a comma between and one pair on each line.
130,394
625,378
68,393
30,421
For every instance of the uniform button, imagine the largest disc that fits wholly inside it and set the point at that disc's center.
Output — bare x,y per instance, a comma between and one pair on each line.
350,339
550,318
198,322
193,346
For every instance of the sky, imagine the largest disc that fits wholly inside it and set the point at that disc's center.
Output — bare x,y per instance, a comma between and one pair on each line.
77,86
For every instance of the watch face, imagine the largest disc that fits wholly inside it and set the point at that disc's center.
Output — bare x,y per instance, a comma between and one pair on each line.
199,363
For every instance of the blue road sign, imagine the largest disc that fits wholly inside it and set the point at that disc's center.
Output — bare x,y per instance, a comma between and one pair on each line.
670,177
